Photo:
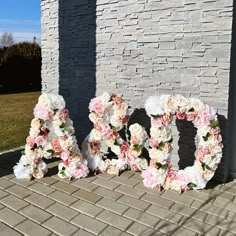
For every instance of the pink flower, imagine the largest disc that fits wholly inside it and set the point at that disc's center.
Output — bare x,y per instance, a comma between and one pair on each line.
153,143
96,106
167,147
134,167
203,150
40,140
56,146
150,177
63,114
107,132
42,112
124,147
183,179
204,116
166,119
80,171
191,115
30,141
171,175
134,140
181,115
65,155
215,130
44,131
156,122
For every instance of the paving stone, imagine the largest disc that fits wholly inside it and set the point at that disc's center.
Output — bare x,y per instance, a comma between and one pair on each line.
87,196
114,232
30,228
8,231
10,217
106,176
209,208
22,182
227,189
5,183
190,212
91,178
106,183
174,195
173,229
41,189
125,181
82,232
46,180
62,211
14,202
164,214
107,193
86,208
114,220
8,176
157,201
62,198
232,216
197,195
39,200
19,191
60,227
226,204
113,206
137,176
91,225
139,230
3,194
226,233
226,225
199,227
85,185
133,202
130,191
64,187
141,217
35,214
127,174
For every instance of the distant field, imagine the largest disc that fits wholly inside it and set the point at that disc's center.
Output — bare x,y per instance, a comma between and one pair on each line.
16,112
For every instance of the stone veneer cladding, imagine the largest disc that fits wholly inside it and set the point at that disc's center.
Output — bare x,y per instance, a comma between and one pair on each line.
137,48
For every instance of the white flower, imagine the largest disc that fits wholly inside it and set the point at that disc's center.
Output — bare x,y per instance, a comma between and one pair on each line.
57,102
26,160
115,149
44,100
115,121
122,110
181,103
153,106
196,104
95,135
23,172
141,163
34,132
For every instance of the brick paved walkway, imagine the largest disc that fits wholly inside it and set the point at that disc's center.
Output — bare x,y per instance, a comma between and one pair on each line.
109,206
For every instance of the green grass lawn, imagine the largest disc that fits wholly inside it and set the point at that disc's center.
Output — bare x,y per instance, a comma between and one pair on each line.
16,113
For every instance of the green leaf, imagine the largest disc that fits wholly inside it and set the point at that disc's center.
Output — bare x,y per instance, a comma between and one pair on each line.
22,152
154,116
51,151
55,111
161,145
62,173
191,109
63,125
214,123
116,143
205,138
191,185
137,147
204,167
164,167
34,147
158,164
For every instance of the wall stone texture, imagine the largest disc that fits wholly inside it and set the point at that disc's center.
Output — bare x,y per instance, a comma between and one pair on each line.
139,48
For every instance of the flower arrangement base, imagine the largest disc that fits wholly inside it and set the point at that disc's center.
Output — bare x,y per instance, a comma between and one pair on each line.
51,135
209,150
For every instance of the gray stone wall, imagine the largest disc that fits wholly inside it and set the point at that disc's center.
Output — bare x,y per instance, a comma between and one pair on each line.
139,48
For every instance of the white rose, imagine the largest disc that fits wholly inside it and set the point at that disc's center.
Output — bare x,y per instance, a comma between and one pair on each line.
141,163
44,100
166,134
57,101
95,135
34,132
115,121
153,106
26,160
196,104
181,103
115,149
155,131
122,110
105,97
35,123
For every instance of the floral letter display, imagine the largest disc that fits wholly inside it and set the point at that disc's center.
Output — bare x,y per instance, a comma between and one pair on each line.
51,135
209,151
109,115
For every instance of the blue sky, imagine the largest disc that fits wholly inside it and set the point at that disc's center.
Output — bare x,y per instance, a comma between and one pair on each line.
21,18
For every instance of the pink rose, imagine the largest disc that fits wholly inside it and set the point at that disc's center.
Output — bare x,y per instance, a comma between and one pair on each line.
191,115
44,131
203,150
30,141
204,116
181,115
63,114
107,132
40,140
134,167
167,148
80,171
113,170
156,122
134,140
124,147
166,119
56,146
65,155
150,177
215,130
171,175
96,106
42,112
153,163
153,143
117,99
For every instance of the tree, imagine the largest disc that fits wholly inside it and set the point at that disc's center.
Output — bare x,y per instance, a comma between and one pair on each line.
6,40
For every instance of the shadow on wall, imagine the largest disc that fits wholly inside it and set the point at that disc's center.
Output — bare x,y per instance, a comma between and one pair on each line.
77,60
